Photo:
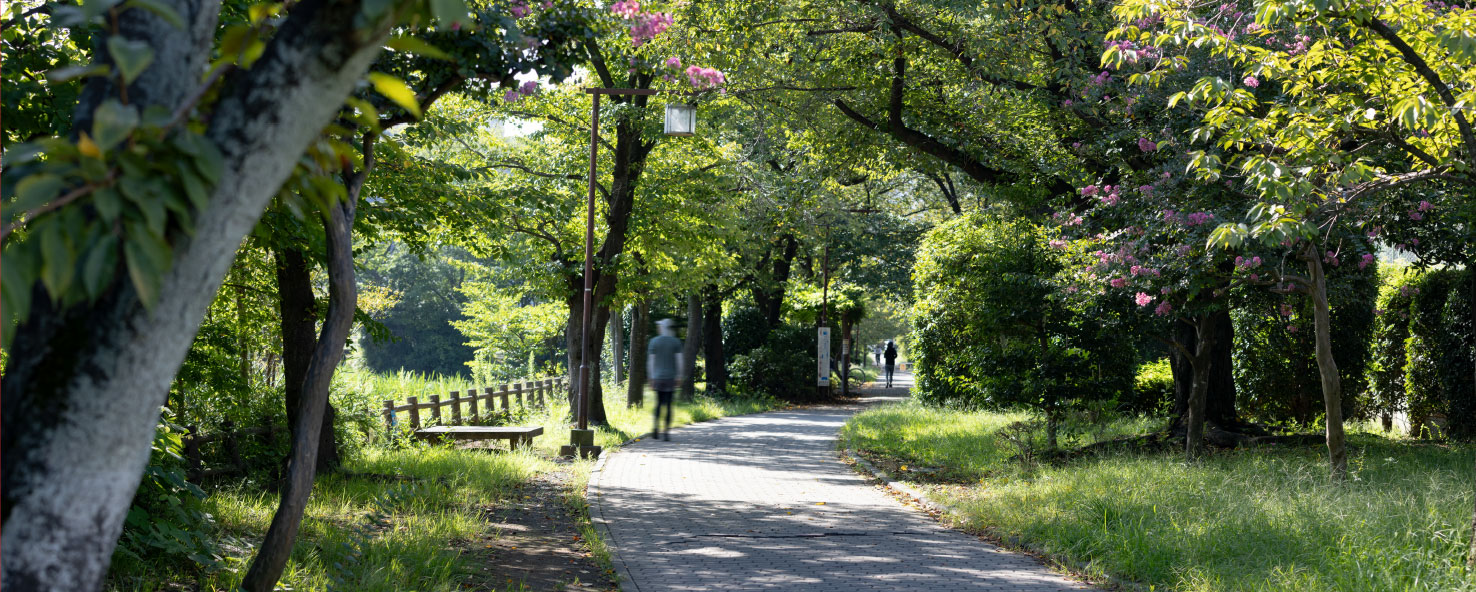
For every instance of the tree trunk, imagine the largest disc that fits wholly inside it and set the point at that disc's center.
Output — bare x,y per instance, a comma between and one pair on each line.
572,344
635,390
768,292
1202,362
84,383
1332,388
298,310
712,332
276,547
617,343
1220,395
689,347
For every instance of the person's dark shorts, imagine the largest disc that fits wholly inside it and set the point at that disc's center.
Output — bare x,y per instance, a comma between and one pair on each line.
663,385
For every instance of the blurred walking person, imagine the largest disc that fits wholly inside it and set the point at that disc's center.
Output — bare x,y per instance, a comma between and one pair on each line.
663,368
891,356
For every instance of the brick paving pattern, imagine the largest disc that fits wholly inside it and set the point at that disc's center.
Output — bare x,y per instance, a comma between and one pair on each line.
761,502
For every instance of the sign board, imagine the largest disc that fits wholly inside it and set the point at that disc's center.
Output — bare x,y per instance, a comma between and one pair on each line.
822,351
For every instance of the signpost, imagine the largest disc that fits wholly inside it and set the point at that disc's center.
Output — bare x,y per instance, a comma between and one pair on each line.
822,353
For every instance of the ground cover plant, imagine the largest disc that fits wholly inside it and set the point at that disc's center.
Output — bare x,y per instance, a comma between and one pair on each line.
1253,519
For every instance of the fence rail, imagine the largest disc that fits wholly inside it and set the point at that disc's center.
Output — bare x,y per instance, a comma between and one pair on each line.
528,394
229,438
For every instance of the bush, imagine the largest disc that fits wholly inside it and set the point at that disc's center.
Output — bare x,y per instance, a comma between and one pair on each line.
744,329
783,367
1386,348
993,329
1456,341
1428,293
1275,351
167,525
1153,389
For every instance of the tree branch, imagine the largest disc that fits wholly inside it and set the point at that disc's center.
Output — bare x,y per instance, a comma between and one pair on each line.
1421,67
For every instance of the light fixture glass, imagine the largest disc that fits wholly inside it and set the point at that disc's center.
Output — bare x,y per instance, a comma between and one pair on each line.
681,119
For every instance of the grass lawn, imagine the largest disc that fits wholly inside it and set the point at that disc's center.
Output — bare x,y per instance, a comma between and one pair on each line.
1264,519
431,503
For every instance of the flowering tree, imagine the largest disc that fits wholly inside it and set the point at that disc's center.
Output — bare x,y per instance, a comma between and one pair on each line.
1330,105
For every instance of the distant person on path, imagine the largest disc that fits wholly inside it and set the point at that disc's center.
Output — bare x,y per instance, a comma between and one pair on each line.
891,356
876,353
663,362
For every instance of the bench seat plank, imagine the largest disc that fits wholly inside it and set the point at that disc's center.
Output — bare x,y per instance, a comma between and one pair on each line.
518,435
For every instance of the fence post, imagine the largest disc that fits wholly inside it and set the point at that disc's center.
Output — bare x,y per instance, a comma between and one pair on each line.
476,416
414,412
544,393
503,395
229,436
389,417
436,408
455,407
192,453
522,394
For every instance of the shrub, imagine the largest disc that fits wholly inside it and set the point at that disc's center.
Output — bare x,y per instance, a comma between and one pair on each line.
1456,342
1386,348
1428,293
167,524
993,328
744,329
783,367
1276,371
1153,389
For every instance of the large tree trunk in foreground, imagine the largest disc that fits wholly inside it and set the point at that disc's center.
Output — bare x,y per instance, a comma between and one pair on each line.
302,467
712,333
689,347
84,384
635,389
299,316
1332,388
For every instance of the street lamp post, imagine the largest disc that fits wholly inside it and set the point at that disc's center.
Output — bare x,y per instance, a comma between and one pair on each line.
681,120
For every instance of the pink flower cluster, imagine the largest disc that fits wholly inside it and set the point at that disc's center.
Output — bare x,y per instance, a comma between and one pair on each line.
1143,299
1251,81
1137,270
1244,263
1101,79
645,26
527,89
626,8
705,78
1147,145
1163,308
1197,218
1331,258
519,9
1367,259
673,62
1058,244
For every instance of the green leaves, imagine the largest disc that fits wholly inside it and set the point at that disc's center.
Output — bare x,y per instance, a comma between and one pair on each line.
131,57
160,9
34,191
450,14
112,123
395,90
148,258
416,45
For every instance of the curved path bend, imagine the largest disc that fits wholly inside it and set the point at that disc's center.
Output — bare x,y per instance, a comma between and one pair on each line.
761,502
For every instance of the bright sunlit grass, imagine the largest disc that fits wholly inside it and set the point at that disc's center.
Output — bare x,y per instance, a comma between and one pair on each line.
1266,519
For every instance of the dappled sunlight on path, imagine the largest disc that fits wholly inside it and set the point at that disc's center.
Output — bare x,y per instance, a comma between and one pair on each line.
760,502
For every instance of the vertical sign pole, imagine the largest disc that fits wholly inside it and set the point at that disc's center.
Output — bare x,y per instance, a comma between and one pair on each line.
594,149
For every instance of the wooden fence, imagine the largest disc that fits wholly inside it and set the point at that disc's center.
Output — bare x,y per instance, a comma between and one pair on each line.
230,440
530,394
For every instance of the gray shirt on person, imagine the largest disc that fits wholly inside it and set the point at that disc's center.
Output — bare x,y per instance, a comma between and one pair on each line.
664,351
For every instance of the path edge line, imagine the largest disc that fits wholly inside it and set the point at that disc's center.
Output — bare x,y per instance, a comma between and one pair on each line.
597,519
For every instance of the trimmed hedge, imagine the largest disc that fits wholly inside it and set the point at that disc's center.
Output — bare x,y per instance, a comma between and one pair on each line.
1424,349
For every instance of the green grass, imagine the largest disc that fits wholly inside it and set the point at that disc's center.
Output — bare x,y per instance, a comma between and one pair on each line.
1266,519
433,498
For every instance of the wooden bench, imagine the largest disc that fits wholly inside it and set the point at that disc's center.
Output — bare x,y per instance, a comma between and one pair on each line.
516,436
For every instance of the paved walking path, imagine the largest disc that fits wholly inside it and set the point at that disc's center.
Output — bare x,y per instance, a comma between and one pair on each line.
760,502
